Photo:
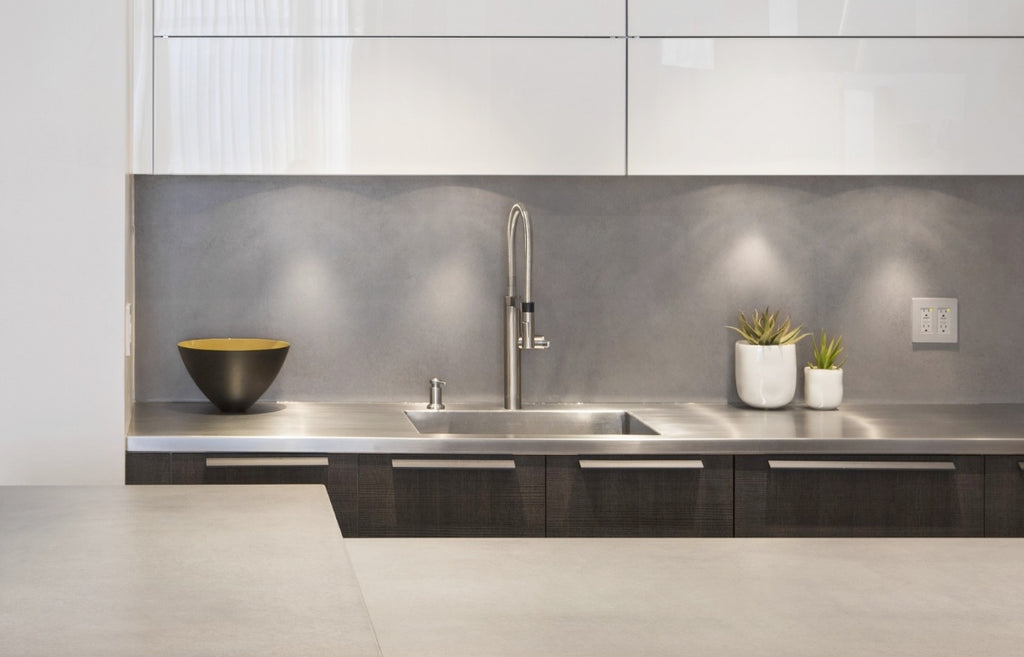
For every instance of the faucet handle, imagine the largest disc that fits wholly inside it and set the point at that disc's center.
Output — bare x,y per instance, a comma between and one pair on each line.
436,404
539,342
526,325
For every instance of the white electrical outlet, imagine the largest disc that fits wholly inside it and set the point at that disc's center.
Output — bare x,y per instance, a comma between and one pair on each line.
933,319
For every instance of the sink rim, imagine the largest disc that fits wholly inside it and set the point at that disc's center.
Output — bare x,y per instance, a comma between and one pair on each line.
621,415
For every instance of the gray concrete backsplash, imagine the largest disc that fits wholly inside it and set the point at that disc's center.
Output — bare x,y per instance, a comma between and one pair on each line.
380,283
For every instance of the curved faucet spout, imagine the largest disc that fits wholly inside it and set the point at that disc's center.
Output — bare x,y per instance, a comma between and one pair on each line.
517,212
519,332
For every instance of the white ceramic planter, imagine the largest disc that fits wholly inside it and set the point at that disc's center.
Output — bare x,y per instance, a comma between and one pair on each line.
765,375
823,389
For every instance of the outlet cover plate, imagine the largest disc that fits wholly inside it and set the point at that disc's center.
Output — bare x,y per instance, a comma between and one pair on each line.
933,320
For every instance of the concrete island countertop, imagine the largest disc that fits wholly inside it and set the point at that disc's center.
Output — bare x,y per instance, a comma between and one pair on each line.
698,596
178,571
219,571
683,428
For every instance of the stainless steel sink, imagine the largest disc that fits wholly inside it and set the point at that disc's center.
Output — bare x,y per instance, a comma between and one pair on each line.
529,423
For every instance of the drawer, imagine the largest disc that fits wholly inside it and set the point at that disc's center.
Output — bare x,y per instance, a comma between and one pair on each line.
147,468
859,496
427,495
337,472
639,496
249,469
1004,496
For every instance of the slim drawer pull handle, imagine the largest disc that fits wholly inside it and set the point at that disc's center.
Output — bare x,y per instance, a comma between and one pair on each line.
641,464
862,465
267,461
453,464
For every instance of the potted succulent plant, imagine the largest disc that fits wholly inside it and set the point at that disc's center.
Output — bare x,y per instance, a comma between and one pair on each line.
823,376
766,359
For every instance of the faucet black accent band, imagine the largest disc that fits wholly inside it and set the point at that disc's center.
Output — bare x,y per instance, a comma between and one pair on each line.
527,306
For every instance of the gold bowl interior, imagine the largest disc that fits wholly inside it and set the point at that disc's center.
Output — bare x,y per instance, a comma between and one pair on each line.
233,372
233,344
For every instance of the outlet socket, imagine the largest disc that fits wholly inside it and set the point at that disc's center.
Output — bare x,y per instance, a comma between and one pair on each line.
933,320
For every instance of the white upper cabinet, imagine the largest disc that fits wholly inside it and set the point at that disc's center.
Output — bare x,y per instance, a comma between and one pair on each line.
142,86
826,106
389,17
389,106
722,18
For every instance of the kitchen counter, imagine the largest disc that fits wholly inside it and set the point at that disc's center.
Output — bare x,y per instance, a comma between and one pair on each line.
262,570
722,597
683,428
176,570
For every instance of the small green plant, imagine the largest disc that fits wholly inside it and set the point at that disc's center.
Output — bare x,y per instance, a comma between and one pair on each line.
826,353
765,329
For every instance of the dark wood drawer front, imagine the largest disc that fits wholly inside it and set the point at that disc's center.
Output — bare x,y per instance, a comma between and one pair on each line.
451,496
249,469
1004,495
145,468
639,496
337,472
859,496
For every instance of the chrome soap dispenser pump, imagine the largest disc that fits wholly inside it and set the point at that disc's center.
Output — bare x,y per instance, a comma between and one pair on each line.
436,388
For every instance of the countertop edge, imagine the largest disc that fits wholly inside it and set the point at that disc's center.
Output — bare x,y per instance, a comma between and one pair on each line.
685,428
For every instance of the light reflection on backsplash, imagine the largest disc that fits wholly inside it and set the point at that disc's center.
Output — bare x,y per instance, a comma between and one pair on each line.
380,283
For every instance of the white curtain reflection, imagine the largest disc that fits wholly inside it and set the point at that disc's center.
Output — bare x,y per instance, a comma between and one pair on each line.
256,105
252,17
842,18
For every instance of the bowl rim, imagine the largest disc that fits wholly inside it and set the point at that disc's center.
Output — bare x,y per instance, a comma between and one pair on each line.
233,344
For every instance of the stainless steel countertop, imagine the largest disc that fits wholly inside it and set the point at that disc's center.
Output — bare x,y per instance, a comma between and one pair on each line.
176,570
684,428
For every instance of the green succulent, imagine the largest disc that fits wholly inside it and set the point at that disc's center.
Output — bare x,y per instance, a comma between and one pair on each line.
826,352
765,329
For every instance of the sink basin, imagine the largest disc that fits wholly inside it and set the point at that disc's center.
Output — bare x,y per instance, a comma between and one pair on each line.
529,423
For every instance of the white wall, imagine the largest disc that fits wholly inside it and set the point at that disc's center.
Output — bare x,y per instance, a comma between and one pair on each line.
63,164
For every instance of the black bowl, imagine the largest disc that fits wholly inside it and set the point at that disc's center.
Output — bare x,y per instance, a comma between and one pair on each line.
233,372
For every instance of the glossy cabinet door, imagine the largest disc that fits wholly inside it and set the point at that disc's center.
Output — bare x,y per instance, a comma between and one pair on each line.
390,17
142,86
826,106
389,106
858,495
722,18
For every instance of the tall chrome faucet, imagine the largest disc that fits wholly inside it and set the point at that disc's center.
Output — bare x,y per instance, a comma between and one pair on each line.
519,332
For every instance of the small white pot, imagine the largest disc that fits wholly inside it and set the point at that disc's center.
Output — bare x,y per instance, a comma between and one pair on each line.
823,389
765,375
